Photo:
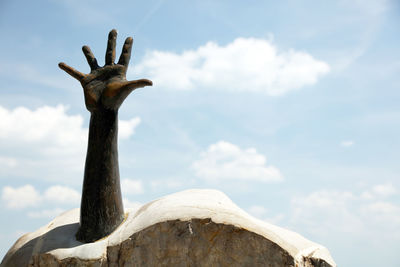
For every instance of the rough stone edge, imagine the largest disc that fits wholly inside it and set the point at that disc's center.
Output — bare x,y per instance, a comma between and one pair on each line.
107,261
232,210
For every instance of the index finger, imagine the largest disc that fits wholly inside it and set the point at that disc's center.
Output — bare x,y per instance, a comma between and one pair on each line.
126,52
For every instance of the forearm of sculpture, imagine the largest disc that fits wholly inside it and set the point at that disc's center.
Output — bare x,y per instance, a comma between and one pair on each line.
101,204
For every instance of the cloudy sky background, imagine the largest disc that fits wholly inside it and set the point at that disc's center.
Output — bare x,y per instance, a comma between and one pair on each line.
291,108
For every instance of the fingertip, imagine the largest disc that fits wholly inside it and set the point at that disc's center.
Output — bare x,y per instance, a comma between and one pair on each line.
146,82
85,48
129,40
113,33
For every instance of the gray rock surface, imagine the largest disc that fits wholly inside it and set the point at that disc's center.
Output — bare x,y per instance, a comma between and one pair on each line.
190,228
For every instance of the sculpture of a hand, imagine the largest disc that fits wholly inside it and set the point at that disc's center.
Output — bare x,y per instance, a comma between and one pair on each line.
107,87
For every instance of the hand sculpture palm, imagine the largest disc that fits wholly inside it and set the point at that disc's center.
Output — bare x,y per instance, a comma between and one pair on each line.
107,87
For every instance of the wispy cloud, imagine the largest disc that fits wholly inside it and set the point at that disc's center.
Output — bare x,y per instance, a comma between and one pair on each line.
368,13
134,205
148,16
31,74
8,162
166,183
347,143
368,7
87,12
327,212
246,64
379,191
262,213
46,213
132,187
226,161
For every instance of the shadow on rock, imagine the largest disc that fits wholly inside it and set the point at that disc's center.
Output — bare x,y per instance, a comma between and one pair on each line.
59,237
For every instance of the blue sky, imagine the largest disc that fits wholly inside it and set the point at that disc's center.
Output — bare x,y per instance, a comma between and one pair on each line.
288,107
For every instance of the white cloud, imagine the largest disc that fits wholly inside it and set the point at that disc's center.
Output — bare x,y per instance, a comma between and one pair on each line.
224,161
47,213
47,141
131,187
51,127
46,138
127,128
20,197
27,196
347,143
246,64
62,194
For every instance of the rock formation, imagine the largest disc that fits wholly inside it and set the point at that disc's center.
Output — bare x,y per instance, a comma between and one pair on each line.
189,228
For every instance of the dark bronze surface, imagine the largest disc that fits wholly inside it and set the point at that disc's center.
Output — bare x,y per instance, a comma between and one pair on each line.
105,88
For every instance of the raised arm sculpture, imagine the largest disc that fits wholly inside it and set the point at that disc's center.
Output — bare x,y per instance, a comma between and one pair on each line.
104,88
